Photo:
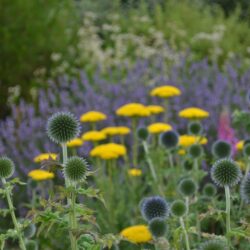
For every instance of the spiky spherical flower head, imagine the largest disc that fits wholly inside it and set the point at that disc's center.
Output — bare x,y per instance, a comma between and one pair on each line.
157,227
63,127
195,128
178,208
169,139
29,231
209,190
75,169
245,189
153,207
214,245
221,149
31,245
7,167
226,172
142,133
246,150
195,151
187,164
187,187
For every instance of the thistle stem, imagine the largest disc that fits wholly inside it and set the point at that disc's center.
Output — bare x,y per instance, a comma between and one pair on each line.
227,192
135,144
13,216
70,203
185,233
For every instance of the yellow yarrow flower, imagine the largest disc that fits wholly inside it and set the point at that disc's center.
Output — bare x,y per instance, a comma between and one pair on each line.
155,109
188,140
165,91
133,110
93,136
40,175
240,145
122,130
135,172
45,156
137,234
193,113
111,131
181,152
93,116
156,128
77,142
242,165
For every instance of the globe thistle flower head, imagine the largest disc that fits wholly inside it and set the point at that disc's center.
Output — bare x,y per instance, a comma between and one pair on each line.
187,164
142,133
195,128
178,208
214,245
246,150
209,190
157,227
226,172
7,167
153,207
30,230
75,169
195,151
63,127
221,149
245,189
31,245
187,187
169,139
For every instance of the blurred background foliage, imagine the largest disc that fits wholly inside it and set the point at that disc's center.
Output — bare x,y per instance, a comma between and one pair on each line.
43,39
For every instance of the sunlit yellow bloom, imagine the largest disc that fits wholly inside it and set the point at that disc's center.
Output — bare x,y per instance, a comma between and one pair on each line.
242,165
155,109
193,113
133,110
188,140
93,116
165,91
40,175
45,156
135,172
93,136
137,234
108,151
77,142
158,127
240,145
122,130
181,152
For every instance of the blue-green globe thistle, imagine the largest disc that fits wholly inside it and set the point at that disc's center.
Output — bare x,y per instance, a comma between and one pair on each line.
75,169
245,189
214,245
178,208
195,128
209,190
157,227
63,127
29,231
226,172
187,187
153,207
31,245
169,139
246,150
142,133
195,151
187,164
221,149
7,167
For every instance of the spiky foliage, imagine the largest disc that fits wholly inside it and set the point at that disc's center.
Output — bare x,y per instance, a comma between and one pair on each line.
178,208
245,189
195,151
226,172
75,169
7,167
153,207
142,133
169,139
157,227
214,245
195,128
209,190
187,187
63,127
221,149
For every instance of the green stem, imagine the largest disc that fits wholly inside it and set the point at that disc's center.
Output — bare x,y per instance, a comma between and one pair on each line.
70,203
170,158
227,192
135,144
185,233
166,110
13,216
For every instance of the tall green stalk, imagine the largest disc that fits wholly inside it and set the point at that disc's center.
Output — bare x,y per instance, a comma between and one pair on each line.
227,192
135,139
13,216
185,233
